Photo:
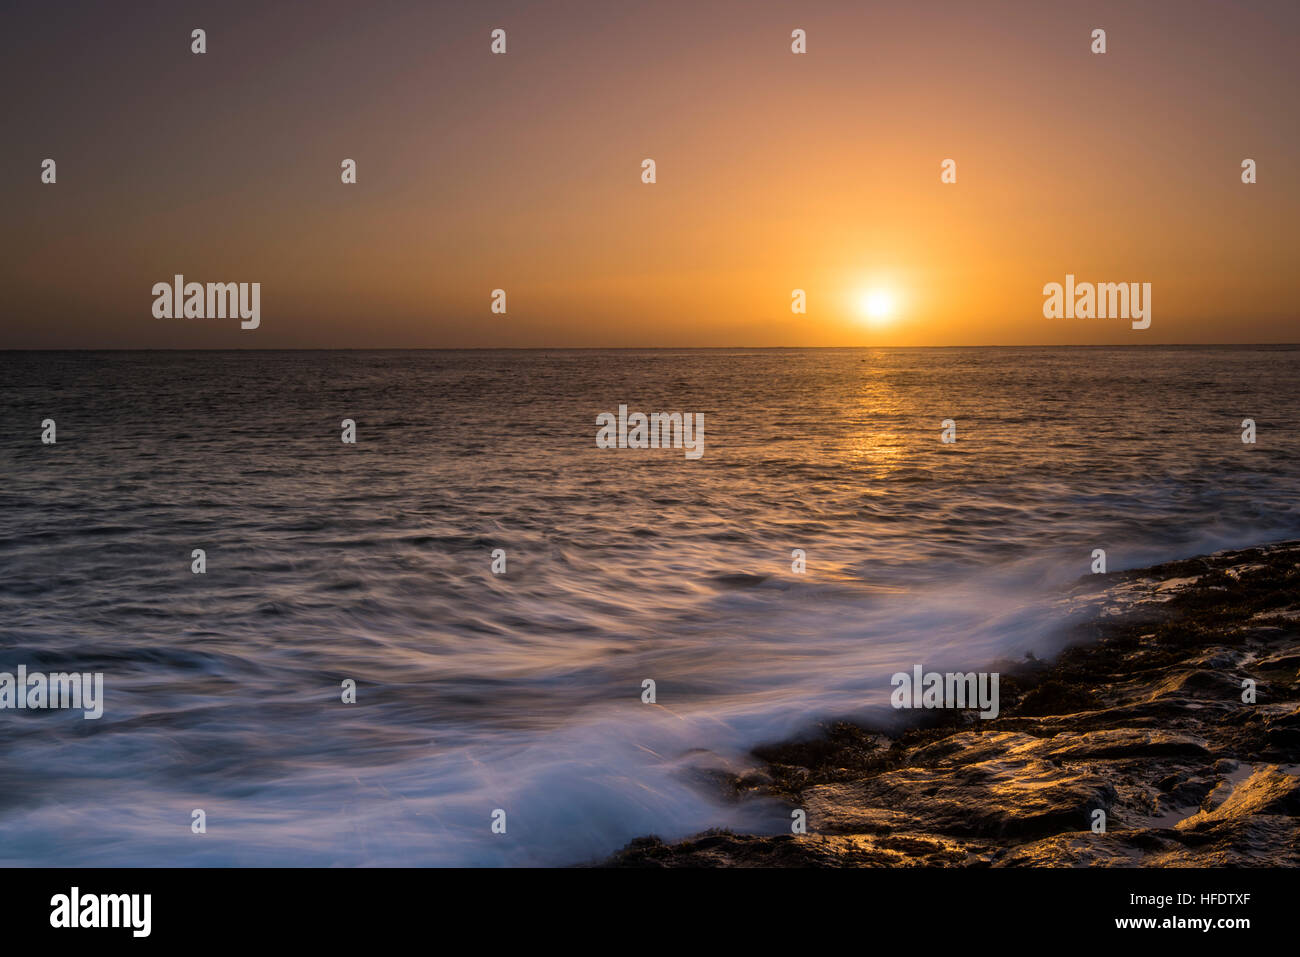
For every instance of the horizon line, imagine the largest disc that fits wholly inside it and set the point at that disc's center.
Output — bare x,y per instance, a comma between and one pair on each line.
1046,345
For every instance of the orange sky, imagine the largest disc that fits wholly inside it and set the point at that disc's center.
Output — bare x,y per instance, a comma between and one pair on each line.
775,172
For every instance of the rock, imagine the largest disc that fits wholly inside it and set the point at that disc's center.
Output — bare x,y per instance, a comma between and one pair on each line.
1267,791
1143,721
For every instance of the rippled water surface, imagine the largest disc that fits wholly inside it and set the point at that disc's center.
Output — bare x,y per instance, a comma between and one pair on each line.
523,691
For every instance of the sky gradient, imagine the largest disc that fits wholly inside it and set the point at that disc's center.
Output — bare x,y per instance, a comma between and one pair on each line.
775,171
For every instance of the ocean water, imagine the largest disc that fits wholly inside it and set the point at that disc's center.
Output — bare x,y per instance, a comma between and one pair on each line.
522,691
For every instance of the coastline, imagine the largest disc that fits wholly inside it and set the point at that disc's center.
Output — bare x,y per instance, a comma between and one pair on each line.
1142,717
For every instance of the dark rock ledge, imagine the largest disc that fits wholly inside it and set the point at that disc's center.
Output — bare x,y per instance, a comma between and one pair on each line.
1142,716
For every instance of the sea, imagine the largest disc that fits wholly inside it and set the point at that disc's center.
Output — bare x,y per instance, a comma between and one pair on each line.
472,637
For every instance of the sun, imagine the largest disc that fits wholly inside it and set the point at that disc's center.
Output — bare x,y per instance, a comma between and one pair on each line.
878,306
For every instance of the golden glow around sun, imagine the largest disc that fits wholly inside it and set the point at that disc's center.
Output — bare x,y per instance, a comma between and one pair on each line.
877,306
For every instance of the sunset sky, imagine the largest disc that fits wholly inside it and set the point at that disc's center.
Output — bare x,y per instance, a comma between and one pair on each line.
775,171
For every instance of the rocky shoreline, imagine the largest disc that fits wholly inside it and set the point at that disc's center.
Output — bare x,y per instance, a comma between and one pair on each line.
1142,717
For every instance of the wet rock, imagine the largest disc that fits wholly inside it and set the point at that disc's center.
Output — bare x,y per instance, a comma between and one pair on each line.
1142,719
1267,791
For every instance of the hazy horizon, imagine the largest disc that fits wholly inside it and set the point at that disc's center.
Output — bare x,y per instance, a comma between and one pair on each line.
776,348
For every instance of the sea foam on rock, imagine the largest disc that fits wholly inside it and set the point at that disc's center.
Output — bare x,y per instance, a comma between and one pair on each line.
1142,717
